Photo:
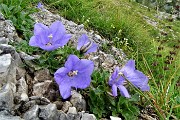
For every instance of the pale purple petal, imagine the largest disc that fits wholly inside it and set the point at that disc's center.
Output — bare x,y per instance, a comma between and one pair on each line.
138,79
114,76
81,81
49,48
93,48
33,41
71,61
84,66
82,41
39,27
39,5
114,90
57,30
123,91
65,90
129,67
61,74
63,40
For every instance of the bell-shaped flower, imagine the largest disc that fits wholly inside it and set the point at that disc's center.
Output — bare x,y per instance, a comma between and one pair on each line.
40,6
76,73
49,38
137,78
85,45
117,81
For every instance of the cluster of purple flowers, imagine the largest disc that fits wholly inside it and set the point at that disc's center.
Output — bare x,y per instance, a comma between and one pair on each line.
77,72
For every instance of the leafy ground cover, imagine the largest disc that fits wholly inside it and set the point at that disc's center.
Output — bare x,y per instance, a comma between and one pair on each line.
122,22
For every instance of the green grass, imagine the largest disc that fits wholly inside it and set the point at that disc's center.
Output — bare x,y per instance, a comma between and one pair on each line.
121,22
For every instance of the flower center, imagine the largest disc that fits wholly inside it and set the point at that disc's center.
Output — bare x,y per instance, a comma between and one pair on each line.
50,41
72,73
85,47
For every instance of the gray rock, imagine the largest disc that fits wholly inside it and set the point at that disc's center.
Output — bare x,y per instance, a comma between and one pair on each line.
6,97
5,62
25,56
87,116
4,40
71,116
78,101
42,75
39,89
5,115
72,110
66,106
22,86
32,114
49,112
62,115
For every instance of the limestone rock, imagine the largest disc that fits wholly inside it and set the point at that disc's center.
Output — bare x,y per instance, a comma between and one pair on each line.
5,115
6,97
48,112
78,101
32,114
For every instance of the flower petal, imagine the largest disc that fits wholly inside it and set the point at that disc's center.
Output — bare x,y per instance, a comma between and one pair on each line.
84,67
114,90
63,40
93,48
33,41
71,61
138,79
114,76
129,67
39,27
65,90
60,75
123,91
81,81
57,30
82,40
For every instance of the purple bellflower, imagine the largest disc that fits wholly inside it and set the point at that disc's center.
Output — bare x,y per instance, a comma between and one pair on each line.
40,6
85,45
128,72
76,73
136,77
49,38
117,81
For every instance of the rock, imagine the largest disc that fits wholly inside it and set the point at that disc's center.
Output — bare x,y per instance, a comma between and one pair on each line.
24,97
6,97
39,100
39,89
32,114
62,115
72,110
25,56
42,75
87,116
21,91
5,62
78,101
22,87
48,112
71,116
4,40
66,106
115,118
59,104
5,115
